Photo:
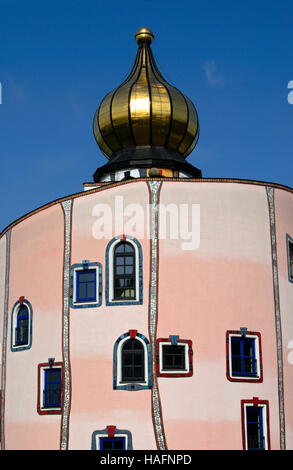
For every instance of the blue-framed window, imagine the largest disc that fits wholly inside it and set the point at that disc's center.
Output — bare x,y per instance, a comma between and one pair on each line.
112,443
22,326
52,387
243,357
86,285
132,362
255,428
124,272
290,257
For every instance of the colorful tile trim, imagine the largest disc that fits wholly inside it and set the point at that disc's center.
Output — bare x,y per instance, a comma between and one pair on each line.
154,187
271,203
67,210
4,338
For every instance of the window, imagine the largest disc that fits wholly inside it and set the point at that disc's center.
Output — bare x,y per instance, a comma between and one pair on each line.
244,356
50,384
114,443
21,325
86,285
132,362
111,438
174,357
255,424
290,257
123,271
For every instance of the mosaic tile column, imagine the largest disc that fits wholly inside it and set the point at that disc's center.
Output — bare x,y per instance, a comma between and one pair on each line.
271,201
154,188
4,341
67,208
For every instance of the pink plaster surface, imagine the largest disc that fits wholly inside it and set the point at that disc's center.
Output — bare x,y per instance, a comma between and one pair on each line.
93,332
224,285
284,226
2,288
36,272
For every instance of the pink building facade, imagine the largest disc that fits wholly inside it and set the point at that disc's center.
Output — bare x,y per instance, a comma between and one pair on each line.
153,310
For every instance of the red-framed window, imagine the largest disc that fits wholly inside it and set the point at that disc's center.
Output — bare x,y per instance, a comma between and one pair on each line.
244,356
174,357
50,388
255,424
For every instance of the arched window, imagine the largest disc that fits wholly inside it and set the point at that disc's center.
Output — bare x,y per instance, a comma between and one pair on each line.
132,362
21,325
123,271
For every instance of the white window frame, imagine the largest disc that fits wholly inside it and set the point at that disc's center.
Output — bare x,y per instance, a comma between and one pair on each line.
42,388
111,272
257,357
119,363
186,354
98,294
264,422
15,311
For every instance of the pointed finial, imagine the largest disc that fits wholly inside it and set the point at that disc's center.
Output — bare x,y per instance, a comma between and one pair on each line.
144,35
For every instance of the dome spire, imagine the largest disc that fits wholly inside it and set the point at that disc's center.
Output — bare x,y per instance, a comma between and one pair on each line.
146,115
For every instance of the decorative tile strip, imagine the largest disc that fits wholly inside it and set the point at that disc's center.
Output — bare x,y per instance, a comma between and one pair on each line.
4,340
67,208
271,202
154,188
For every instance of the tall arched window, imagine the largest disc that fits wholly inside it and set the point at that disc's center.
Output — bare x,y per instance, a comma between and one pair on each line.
124,271
132,361
21,325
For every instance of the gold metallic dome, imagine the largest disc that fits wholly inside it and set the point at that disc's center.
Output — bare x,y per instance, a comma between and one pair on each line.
145,110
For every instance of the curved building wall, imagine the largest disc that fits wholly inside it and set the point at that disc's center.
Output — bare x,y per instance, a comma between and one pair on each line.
199,294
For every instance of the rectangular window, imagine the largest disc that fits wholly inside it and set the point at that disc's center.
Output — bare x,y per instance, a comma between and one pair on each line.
174,357
50,388
255,424
112,443
86,285
53,388
244,358
290,257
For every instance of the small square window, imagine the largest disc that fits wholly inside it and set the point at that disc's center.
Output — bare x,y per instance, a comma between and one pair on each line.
115,440
174,358
244,356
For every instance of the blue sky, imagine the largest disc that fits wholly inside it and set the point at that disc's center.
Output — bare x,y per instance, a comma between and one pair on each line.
58,59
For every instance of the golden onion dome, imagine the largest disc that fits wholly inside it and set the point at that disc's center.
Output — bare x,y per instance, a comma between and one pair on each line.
145,110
